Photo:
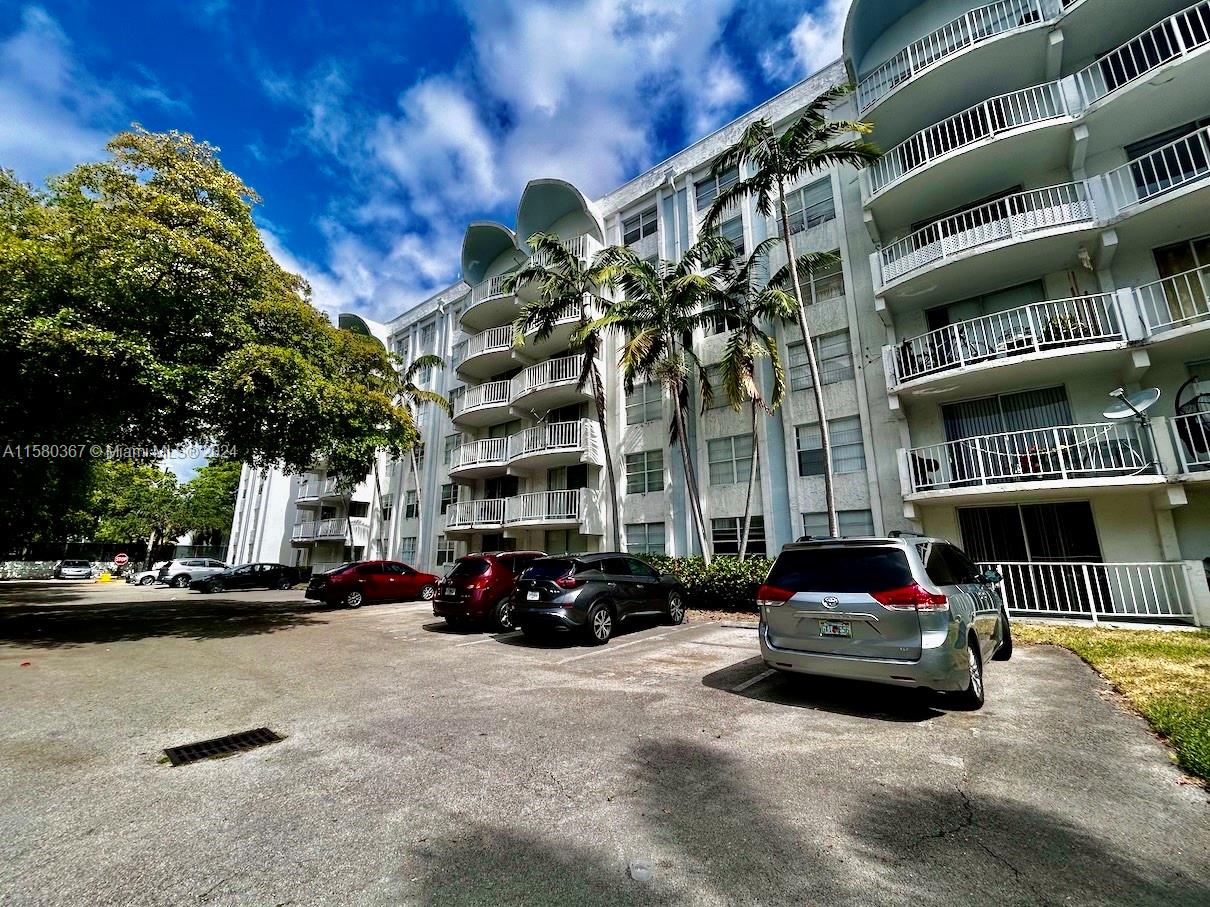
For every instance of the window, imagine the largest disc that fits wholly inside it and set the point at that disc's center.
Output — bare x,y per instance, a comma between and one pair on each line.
706,190
449,495
848,453
730,459
644,404
455,397
725,533
447,551
645,538
811,205
359,508
645,471
639,226
853,523
834,355
410,508
386,507
641,568
733,230
714,374
419,449
407,548
451,442
565,541
825,283
427,334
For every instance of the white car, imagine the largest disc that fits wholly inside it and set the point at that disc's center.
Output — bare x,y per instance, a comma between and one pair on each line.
146,577
73,570
179,573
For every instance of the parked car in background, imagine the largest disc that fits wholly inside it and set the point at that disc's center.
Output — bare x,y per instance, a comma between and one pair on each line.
910,611
145,577
352,585
248,576
73,570
179,573
480,587
591,594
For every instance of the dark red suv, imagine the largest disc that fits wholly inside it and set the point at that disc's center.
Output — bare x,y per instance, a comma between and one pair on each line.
480,587
352,585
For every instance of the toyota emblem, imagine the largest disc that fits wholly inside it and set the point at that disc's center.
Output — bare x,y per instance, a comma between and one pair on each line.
831,601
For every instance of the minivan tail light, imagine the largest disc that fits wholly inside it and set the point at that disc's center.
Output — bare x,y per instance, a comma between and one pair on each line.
772,595
569,582
911,597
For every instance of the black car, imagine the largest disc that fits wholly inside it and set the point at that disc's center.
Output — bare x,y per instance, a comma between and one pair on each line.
248,576
592,593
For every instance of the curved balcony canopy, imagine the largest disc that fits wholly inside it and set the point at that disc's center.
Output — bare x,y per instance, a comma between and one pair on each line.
489,250
356,324
556,206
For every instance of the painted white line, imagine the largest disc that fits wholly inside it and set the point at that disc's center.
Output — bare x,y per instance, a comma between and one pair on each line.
753,681
512,634
611,648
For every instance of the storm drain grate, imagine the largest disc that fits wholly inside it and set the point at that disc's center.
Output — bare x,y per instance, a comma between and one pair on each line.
222,746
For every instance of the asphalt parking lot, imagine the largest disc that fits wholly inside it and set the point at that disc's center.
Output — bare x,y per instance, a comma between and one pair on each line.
426,766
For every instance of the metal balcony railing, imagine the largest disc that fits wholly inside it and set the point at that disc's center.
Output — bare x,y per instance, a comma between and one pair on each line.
1012,217
544,507
488,452
1177,164
1097,450
1176,301
1095,590
1191,434
1033,328
494,393
546,374
581,247
493,340
303,531
332,529
992,117
1170,38
493,286
484,513
968,29
553,436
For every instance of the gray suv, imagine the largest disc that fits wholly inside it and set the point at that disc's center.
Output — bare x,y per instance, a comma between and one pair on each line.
909,611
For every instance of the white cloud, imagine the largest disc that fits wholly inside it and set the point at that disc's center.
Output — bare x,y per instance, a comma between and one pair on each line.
813,43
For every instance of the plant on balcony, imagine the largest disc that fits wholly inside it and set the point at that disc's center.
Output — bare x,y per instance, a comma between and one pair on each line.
748,305
1065,328
562,281
811,144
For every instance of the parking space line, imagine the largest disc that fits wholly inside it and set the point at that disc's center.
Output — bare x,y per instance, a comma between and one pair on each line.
753,681
614,648
512,634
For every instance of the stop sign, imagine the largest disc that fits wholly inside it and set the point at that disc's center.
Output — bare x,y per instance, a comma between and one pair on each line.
120,560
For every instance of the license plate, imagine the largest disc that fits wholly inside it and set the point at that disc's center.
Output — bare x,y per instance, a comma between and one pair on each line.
835,628
531,596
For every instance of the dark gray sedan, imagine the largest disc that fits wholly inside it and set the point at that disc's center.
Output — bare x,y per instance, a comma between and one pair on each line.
591,594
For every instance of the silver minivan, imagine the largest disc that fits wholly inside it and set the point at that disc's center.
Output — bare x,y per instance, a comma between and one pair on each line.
910,611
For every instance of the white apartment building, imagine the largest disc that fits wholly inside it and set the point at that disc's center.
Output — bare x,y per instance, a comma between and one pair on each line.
1035,237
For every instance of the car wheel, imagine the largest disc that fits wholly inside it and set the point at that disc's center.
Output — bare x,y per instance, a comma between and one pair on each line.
284,584
503,614
676,609
214,586
147,581
972,697
600,624
427,591
1004,651
180,582
354,599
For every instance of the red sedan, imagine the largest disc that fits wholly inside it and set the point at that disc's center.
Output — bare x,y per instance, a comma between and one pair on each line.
352,585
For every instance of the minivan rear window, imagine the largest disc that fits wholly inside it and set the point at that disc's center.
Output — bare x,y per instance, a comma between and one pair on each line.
841,570
548,569
469,567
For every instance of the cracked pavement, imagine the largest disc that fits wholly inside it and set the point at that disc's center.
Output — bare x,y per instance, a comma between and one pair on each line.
424,766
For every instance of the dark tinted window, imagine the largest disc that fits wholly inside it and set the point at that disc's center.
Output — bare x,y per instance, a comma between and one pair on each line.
551,569
638,568
369,569
617,566
841,570
960,565
75,563
469,567
940,567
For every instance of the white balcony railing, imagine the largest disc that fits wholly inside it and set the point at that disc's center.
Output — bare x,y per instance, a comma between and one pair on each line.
493,340
548,437
977,25
329,486
332,529
580,247
1170,38
1176,301
484,513
992,117
493,286
308,488
494,393
1177,164
544,507
1098,450
546,374
1033,328
303,531
488,452
1012,217
1191,435
1095,590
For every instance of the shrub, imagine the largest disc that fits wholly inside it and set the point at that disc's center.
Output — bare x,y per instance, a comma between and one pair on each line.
728,584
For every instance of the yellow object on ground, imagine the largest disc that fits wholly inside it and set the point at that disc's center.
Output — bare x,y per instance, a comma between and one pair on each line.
104,577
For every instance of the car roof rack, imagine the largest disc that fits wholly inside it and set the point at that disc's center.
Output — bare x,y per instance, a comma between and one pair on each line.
906,533
816,538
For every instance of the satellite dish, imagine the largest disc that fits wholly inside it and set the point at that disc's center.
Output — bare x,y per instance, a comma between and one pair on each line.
1132,405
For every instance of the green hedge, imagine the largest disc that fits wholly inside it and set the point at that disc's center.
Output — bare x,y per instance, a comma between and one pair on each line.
728,584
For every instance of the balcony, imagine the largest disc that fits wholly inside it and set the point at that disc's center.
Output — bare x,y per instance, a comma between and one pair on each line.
486,404
555,444
1191,437
559,340
1035,463
479,459
308,490
305,531
1084,329
545,508
1098,591
1177,304
467,516
1016,134
489,305
548,385
485,354
1013,238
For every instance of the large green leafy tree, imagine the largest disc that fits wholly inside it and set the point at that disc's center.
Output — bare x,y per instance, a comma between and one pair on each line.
207,501
130,502
140,307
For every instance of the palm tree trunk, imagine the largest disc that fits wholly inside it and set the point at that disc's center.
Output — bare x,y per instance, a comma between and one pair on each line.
743,539
695,500
598,393
825,437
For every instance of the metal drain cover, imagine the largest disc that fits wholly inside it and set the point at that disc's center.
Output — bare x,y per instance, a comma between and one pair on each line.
222,746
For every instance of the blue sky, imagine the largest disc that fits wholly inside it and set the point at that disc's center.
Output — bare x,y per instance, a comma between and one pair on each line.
375,132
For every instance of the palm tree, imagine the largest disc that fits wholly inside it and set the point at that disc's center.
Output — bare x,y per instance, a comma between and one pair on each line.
811,144
414,397
662,305
563,281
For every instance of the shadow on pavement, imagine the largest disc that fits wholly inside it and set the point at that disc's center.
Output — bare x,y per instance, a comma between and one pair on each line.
825,694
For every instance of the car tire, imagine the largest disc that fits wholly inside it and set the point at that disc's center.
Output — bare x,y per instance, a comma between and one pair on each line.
971,699
147,581
427,591
676,609
284,584
215,586
598,629
354,599
502,615
180,581
1004,651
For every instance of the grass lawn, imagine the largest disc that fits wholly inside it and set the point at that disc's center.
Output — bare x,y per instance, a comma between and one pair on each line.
1165,675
